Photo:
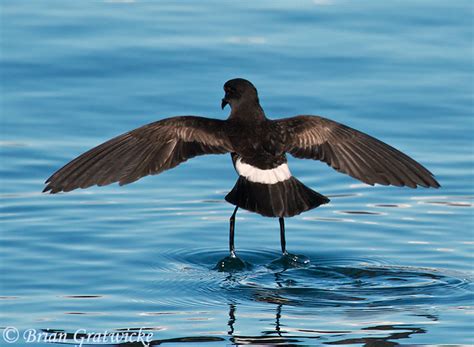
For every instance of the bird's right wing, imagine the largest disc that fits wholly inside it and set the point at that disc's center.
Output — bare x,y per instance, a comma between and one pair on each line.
352,152
147,150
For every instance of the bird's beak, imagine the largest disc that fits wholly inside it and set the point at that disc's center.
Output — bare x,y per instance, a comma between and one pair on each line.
224,102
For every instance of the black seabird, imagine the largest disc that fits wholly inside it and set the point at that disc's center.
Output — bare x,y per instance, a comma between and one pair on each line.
258,147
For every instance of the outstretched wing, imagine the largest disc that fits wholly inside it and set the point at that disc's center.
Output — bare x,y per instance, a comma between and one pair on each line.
352,152
148,150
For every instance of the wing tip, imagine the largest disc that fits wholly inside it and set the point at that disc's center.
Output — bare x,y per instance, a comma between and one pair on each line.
51,190
429,182
435,184
425,184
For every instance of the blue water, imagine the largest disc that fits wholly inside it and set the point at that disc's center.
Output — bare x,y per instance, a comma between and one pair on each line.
387,265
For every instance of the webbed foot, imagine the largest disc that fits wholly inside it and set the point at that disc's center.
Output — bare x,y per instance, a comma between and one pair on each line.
232,263
290,261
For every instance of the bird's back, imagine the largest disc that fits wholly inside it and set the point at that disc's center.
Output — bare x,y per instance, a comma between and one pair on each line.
257,144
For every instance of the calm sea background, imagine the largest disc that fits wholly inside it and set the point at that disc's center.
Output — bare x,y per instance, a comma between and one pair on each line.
388,265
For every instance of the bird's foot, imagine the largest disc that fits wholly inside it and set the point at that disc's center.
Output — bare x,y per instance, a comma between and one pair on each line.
289,261
232,263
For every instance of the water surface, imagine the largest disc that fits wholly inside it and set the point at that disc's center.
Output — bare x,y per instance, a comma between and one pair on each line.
387,265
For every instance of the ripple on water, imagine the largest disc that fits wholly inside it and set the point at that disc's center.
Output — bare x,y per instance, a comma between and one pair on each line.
452,201
362,212
323,282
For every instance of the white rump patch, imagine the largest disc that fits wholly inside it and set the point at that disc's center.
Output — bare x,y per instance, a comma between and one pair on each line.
271,176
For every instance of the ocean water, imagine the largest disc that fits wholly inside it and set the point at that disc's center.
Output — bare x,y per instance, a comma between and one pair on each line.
387,265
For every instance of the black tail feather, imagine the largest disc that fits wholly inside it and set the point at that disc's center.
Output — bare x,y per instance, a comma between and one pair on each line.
282,199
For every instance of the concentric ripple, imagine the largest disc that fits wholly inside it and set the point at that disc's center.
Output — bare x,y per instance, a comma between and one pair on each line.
322,282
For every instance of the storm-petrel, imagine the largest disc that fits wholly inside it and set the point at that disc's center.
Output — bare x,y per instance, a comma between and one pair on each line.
258,147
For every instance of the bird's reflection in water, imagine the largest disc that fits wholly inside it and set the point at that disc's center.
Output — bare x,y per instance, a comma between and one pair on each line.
283,333
328,303
335,337
231,319
286,335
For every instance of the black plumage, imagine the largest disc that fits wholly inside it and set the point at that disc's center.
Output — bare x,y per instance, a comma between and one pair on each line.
282,199
148,150
351,152
258,146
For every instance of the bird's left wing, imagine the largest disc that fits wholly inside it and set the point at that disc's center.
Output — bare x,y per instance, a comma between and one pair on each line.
147,150
352,152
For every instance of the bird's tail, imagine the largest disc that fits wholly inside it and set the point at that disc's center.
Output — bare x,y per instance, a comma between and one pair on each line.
283,199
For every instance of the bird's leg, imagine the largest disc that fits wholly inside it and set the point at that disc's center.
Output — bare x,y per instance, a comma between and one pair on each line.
231,233
287,260
232,262
282,236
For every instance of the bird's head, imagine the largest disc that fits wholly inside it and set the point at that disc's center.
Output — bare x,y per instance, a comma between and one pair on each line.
239,91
